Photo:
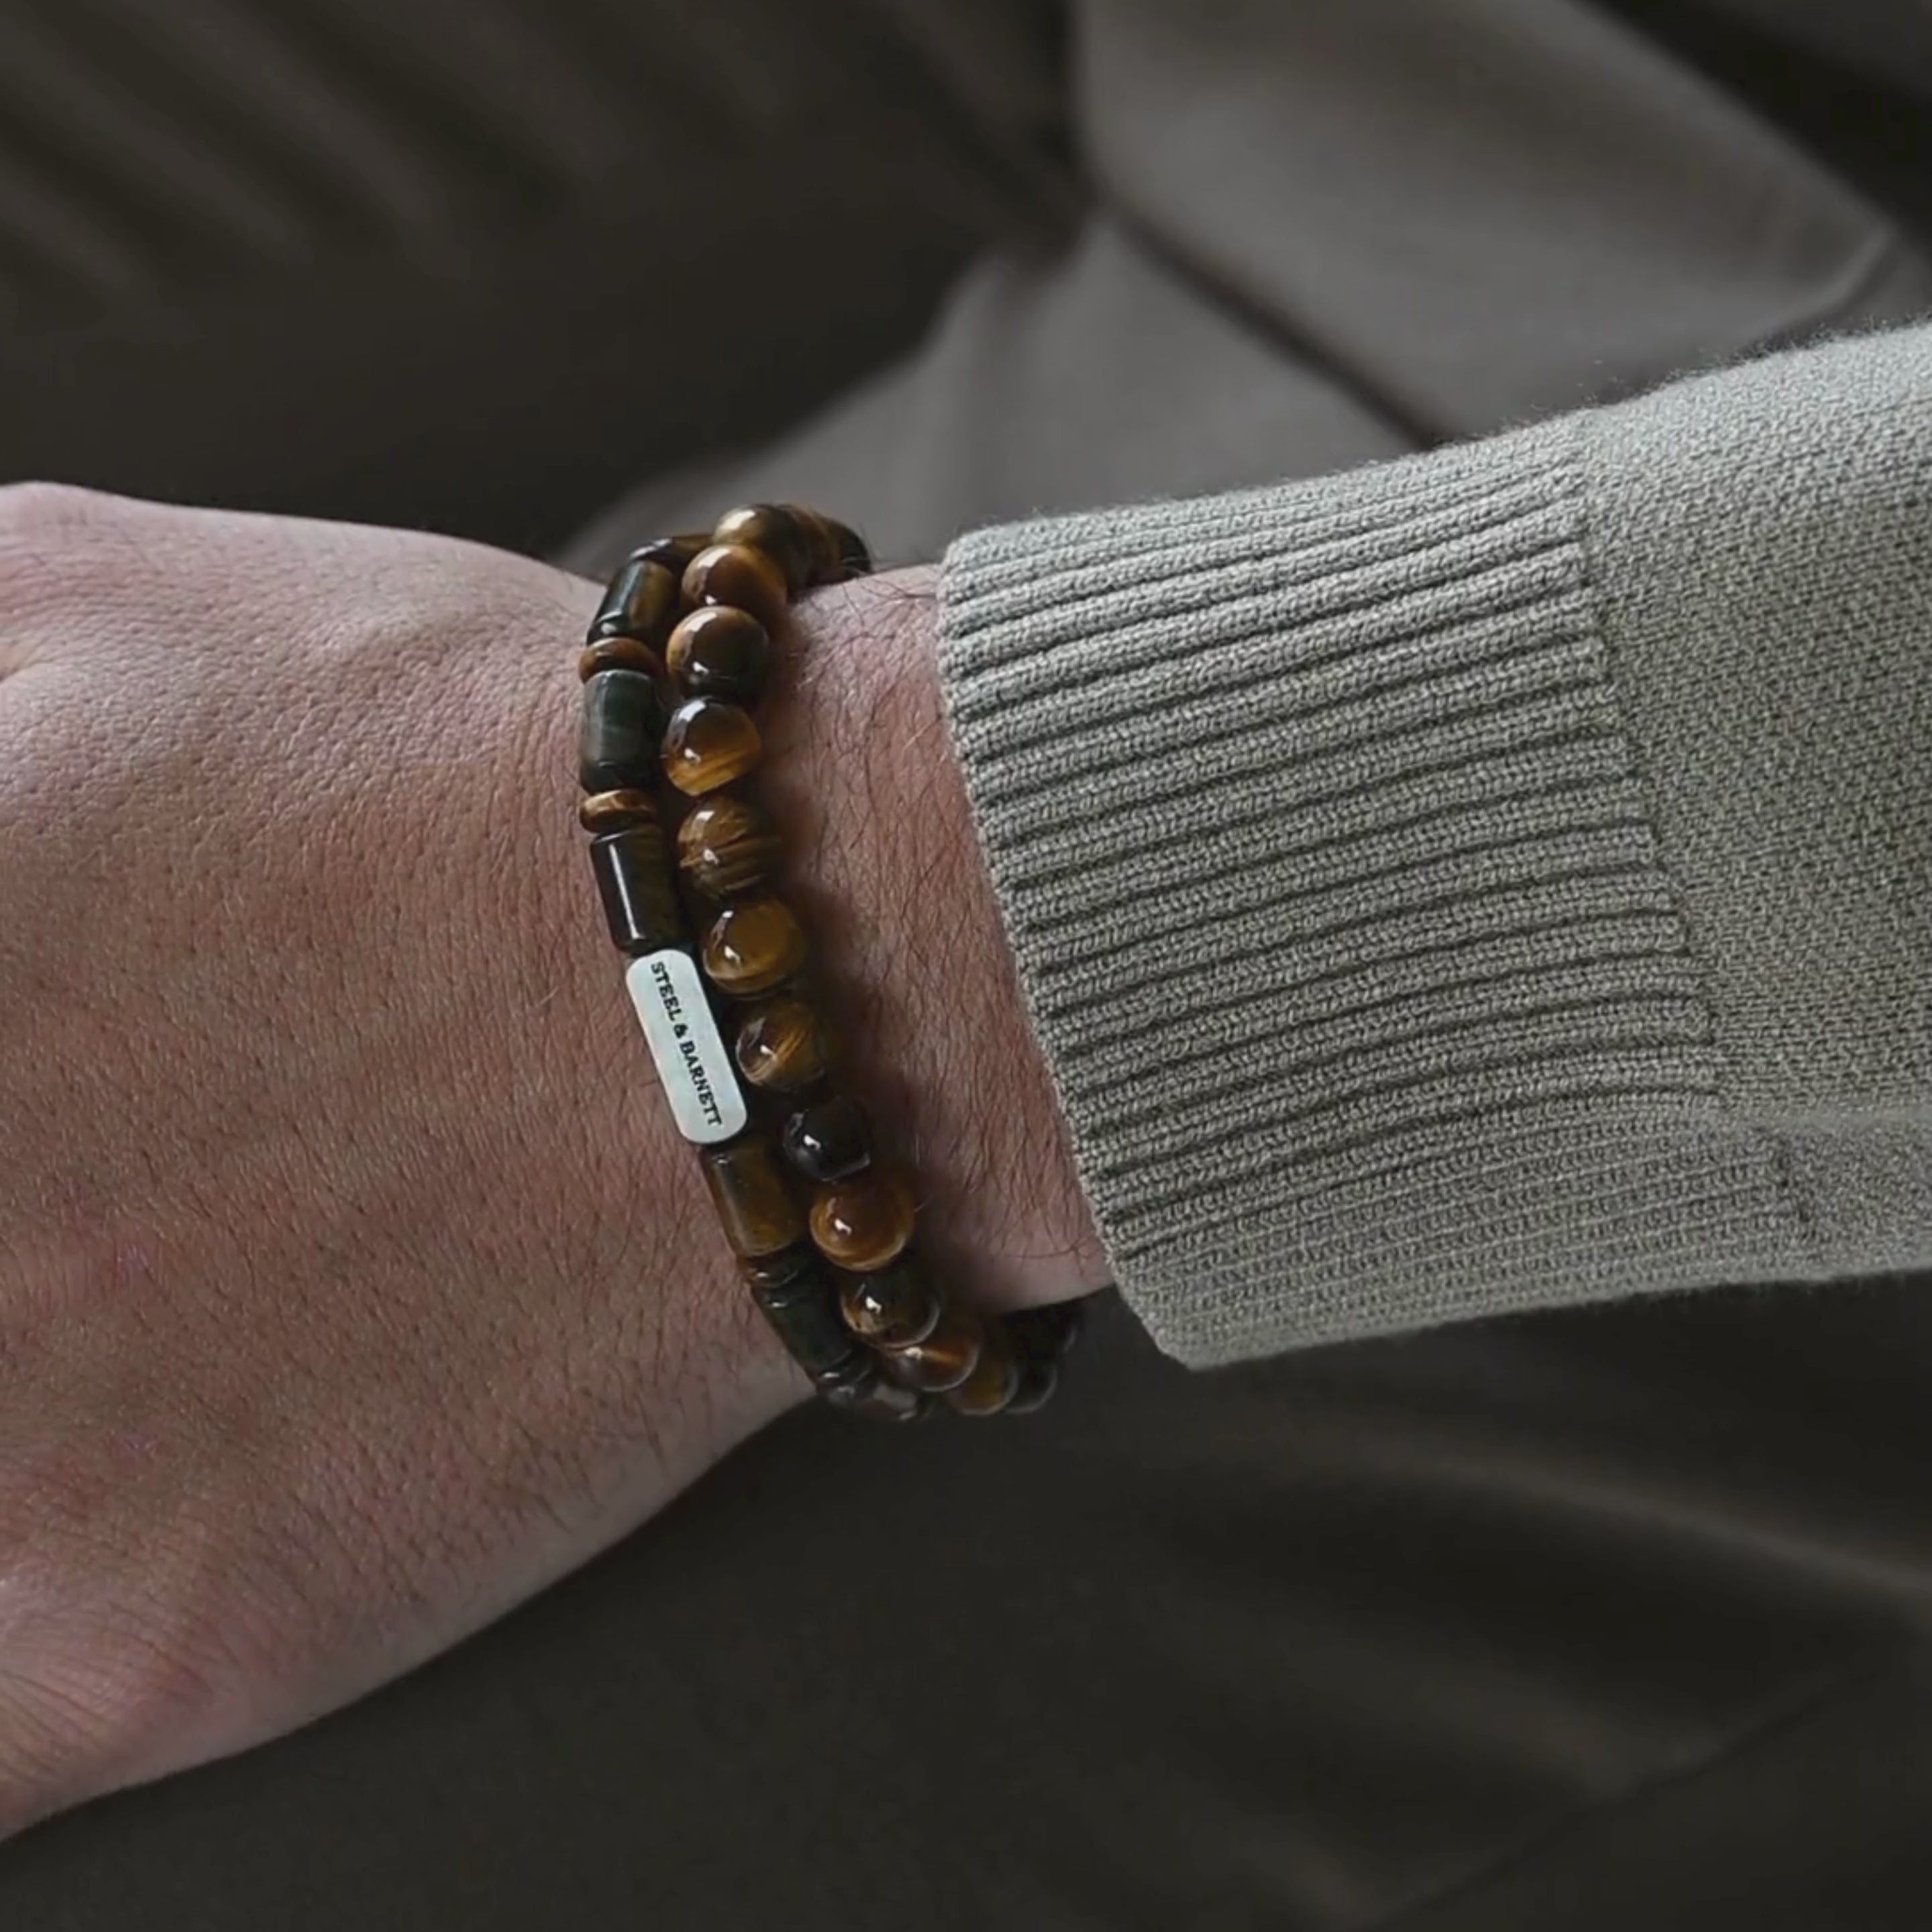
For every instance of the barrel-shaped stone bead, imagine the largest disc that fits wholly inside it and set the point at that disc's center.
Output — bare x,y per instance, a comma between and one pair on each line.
864,1223
635,882
728,846
755,1201
783,1045
736,574
623,728
803,1311
641,601
753,947
780,532
946,1359
720,652
893,1307
830,1140
994,1384
707,743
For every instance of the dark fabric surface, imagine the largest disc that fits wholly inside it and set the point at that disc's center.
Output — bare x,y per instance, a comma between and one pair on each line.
1617,1618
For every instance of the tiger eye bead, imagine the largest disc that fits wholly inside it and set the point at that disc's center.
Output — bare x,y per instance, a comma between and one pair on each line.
623,727
864,1223
830,1140
641,601
619,654
946,1359
634,881
779,531
755,1201
727,845
737,575
783,1046
753,946
617,810
894,1307
992,1387
707,744
721,652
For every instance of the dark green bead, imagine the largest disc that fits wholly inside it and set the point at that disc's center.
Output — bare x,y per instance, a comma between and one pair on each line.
619,747
641,602
803,1312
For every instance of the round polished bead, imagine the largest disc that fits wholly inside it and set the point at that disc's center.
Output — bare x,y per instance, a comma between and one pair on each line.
737,575
755,1201
720,652
784,1045
864,1223
707,744
754,946
854,558
617,810
623,727
945,1359
777,530
894,1307
728,846
641,601
634,879
992,1387
1038,1378
619,654
830,1140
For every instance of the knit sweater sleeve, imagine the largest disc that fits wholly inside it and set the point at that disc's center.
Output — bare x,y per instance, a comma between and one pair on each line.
1496,880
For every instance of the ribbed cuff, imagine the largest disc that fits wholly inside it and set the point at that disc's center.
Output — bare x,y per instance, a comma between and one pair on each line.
1337,905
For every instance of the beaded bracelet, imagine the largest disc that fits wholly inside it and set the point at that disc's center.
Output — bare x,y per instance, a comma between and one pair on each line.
677,657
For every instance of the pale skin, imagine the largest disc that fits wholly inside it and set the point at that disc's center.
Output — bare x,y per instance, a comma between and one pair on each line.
353,1284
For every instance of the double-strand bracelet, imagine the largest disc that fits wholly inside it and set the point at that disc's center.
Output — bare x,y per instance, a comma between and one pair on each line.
676,660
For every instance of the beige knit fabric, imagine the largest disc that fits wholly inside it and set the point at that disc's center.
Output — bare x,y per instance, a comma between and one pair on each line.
1493,879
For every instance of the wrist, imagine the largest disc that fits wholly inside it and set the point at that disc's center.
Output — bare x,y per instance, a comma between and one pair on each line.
889,873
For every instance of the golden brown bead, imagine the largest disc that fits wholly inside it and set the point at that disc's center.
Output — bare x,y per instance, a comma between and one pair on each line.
641,601
727,845
784,1045
780,533
753,946
755,1202
619,654
945,1359
894,1307
736,574
993,1384
721,652
707,744
864,1223
617,810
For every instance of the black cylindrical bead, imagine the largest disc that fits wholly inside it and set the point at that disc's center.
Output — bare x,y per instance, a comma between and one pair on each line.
635,882
803,1312
618,748
828,1141
641,601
